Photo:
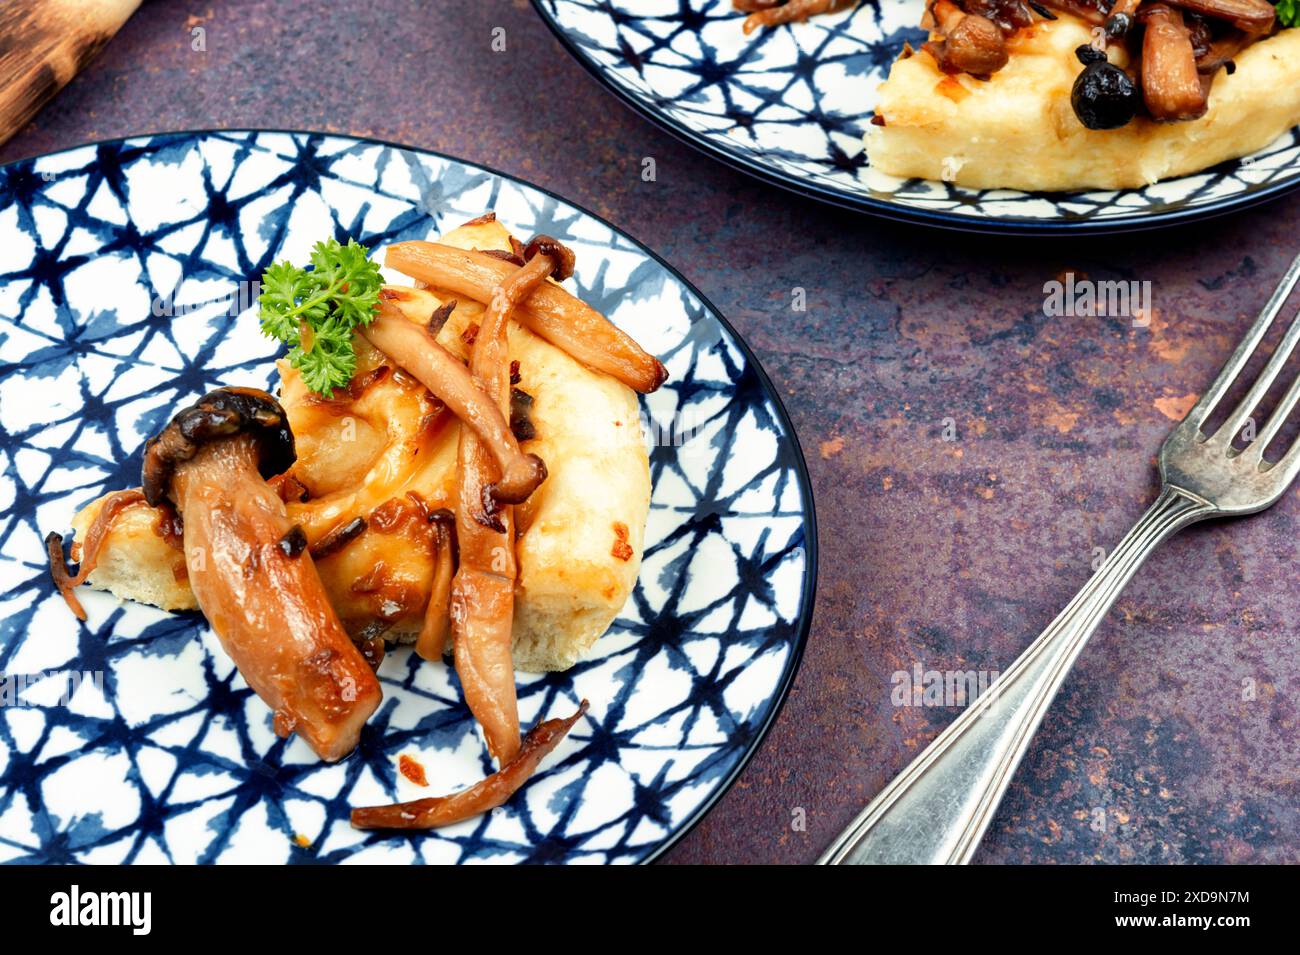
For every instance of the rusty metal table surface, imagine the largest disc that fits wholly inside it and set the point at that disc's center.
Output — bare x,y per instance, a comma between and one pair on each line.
968,451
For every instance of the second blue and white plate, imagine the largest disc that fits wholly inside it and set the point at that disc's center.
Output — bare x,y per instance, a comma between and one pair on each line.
131,738
790,105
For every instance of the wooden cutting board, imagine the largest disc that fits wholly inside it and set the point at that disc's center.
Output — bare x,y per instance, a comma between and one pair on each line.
45,43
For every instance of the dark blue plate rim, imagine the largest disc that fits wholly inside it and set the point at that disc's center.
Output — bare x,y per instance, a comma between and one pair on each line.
898,212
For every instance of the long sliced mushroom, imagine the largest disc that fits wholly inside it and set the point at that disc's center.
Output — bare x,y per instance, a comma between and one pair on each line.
482,593
482,797
767,14
1120,18
1222,50
1251,16
412,347
563,320
1171,85
432,641
250,569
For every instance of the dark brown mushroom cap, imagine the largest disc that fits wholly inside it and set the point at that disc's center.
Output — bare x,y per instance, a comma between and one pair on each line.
556,251
221,413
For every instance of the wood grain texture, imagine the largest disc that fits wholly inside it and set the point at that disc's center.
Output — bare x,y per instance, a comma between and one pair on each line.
45,43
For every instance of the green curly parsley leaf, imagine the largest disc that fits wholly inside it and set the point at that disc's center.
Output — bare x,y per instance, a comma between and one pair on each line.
326,302
1288,12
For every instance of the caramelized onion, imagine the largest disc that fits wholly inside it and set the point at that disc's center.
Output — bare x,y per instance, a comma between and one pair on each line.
432,641
482,797
338,537
66,583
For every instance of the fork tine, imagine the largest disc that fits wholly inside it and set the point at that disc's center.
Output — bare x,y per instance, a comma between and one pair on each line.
1279,416
1263,383
1248,345
1288,467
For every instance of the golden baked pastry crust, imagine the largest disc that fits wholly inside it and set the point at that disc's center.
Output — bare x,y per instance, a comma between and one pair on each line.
1017,130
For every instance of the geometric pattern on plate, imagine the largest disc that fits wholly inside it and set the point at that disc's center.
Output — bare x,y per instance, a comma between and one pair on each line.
121,300
791,104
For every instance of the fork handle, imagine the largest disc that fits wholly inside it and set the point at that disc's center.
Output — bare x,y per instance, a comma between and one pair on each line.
937,809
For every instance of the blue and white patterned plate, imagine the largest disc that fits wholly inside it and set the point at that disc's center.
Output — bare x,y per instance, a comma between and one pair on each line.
790,104
133,739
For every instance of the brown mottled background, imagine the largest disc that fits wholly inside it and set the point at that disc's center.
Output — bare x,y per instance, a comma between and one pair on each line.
952,555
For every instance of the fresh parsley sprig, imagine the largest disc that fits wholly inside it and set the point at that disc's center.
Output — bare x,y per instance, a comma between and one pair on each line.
1288,12
314,311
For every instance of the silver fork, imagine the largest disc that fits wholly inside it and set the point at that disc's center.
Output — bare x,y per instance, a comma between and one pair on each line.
937,809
